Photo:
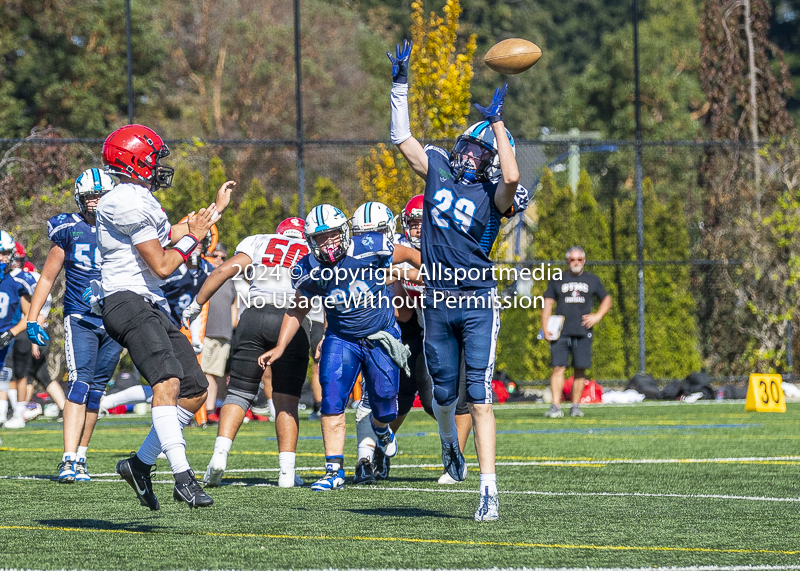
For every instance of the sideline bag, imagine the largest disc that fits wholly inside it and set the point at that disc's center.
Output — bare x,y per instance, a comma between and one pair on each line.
644,384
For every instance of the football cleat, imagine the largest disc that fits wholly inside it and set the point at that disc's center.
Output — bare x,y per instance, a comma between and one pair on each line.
487,510
140,482
447,480
387,442
554,412
364,473
15,421
66,472
332,480
216,468
575,410
453,460
289,480
191,493
32,411
81,472
380,465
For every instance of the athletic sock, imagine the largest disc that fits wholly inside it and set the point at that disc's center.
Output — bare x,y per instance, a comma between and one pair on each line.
12,400
271,406
81,454
131,395
3,410
151,447
446,417
223,445
365,436
488,484
22,406
334,463
317,406
170,434
68,456
286,461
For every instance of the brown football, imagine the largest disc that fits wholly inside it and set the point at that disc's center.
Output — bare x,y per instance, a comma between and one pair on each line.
512,56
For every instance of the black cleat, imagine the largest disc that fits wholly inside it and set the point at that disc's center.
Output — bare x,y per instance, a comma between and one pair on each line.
139,481
191,492
364,474
380,465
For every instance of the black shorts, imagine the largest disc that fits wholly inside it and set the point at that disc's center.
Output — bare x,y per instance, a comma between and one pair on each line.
579,347
156,346
22,363
256,333
317,331
419,381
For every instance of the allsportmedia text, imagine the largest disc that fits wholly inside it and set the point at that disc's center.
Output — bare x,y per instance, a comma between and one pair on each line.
432,273
342,302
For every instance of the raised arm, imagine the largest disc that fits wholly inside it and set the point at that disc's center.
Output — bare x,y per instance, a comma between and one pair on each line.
180,230
409,147
504,196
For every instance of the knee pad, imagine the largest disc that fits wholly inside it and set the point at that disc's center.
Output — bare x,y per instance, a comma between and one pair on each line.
78,392
93,402
238,400
443,396
476,392
244,388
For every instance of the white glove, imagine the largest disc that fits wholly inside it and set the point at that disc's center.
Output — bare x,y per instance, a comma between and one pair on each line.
190,313
198,348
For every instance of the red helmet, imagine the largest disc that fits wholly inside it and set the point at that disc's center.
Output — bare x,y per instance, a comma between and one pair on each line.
293,228
134,151
412,210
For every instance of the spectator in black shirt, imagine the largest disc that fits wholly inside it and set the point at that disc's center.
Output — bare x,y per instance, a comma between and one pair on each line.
573,297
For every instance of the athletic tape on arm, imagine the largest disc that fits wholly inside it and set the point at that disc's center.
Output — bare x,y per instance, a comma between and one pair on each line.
401,124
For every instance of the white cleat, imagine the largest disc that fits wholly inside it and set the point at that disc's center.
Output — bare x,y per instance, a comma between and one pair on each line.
289,480
488,508
215,470
15,421
447,479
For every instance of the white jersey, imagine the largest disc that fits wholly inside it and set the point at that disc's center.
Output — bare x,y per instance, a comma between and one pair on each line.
127,216
270,272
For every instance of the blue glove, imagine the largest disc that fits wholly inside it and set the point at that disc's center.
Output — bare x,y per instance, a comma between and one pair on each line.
36,333
400,62
494,112
87,295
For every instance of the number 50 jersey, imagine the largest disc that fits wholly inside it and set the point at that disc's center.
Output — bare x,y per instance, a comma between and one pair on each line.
78,239
273,257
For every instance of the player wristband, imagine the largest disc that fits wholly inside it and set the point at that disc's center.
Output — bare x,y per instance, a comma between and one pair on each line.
401,124
185,246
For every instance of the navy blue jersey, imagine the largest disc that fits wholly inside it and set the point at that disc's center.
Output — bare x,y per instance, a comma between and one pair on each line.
181,287
78,239
354,292
12,288
460,223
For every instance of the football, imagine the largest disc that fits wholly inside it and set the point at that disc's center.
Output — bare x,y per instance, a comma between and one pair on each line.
512,56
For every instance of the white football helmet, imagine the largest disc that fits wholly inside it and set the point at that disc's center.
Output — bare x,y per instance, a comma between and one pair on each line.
374,217
7,243
91,182
323,219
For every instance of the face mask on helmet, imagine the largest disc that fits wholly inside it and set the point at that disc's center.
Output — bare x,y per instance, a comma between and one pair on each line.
91,184
474,156
134,151
412,215
327,233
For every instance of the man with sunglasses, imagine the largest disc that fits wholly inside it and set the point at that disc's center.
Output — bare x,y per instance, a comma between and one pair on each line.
573,295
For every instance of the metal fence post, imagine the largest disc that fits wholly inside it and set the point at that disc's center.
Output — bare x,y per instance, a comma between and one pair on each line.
301,173
639,194
130,59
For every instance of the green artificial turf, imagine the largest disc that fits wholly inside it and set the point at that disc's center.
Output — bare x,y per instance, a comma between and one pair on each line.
573,497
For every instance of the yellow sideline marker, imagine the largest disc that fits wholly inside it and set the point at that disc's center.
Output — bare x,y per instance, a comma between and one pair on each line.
765,394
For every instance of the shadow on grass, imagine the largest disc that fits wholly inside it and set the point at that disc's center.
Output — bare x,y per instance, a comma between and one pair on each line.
100,524
400,512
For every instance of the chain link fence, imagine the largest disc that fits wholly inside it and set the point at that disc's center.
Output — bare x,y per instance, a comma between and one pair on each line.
703,304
